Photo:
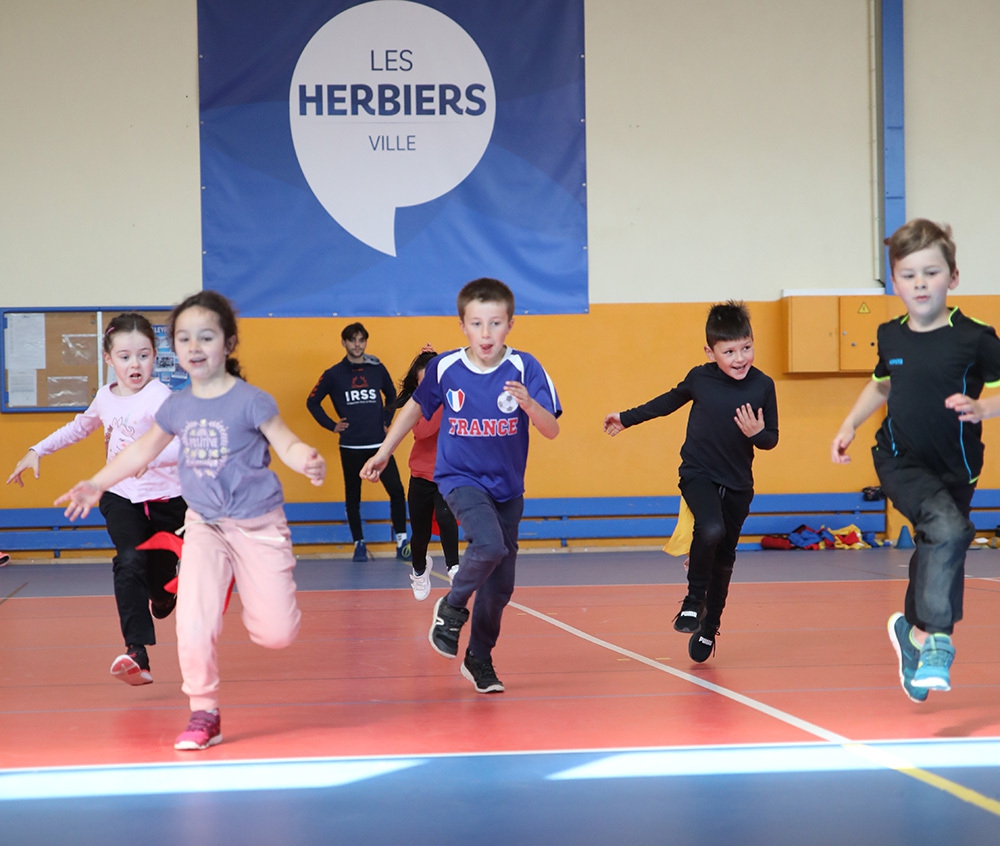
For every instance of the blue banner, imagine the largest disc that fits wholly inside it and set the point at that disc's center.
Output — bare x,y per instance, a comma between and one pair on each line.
370,158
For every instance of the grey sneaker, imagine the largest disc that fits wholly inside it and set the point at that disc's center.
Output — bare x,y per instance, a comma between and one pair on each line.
448,622
481,674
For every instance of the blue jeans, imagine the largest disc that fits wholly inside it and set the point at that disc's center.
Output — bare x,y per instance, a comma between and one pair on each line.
487,567
942,534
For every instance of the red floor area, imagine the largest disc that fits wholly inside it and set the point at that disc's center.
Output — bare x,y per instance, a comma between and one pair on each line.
362,679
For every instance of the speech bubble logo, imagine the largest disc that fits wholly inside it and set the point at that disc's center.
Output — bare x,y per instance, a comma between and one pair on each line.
391,104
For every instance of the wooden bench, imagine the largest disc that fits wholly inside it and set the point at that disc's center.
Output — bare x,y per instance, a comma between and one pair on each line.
548,520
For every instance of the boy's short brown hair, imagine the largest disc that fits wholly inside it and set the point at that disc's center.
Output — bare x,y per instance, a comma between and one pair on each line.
485,290
919,234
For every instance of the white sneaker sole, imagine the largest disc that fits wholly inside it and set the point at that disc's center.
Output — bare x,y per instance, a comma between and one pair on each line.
493,688
125,669
190,745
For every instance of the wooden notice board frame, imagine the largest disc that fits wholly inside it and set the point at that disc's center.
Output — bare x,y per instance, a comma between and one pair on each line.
52,359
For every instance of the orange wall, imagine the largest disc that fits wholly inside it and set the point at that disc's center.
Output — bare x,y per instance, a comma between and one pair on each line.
613,358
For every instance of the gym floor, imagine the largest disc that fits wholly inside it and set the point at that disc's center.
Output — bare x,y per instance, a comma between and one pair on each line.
795,731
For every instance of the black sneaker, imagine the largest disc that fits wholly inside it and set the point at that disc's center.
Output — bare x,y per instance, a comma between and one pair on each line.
701,646
161,608
688,619
132,667
481,674
448,622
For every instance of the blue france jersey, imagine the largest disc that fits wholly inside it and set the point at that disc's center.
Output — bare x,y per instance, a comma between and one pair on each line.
483,439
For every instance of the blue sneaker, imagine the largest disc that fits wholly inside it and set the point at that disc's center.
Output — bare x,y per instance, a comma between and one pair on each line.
360,551
935,661
909,656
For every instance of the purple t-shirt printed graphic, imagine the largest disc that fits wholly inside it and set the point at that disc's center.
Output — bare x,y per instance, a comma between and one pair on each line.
206,446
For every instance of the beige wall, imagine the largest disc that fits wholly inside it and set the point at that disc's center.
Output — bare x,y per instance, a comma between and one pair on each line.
729,146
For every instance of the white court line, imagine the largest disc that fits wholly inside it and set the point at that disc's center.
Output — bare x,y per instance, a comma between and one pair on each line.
869,753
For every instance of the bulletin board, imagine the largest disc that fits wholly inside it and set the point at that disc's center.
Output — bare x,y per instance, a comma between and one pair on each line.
53,359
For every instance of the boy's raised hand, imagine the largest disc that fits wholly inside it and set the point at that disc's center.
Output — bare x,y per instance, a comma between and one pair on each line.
81,498
749,423
613,424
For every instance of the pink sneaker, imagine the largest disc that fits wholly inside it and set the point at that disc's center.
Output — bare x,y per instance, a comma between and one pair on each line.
203,730
132,667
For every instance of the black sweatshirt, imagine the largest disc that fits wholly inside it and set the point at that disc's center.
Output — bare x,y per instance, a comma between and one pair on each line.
714,446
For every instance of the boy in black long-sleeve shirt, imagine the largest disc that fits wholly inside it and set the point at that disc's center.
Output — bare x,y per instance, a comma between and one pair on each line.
734,409
356,386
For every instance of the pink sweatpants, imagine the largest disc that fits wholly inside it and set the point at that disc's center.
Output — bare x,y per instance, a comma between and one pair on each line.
258,553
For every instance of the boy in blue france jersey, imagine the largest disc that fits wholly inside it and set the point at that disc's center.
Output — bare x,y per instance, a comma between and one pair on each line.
356,386
933,363
733,410
490,394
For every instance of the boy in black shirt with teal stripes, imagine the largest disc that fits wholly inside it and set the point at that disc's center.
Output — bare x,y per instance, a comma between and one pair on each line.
733,411
929,451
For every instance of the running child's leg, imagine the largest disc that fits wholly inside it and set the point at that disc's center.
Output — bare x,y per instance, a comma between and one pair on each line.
487,546
735,508
165,516
206,573
264,564
448,529
420,497
128,526
705,501
942,534
495,592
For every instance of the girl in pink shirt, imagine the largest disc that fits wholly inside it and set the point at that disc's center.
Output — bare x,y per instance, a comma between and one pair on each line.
138,506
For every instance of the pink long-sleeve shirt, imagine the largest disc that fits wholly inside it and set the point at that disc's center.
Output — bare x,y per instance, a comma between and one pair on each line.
124,419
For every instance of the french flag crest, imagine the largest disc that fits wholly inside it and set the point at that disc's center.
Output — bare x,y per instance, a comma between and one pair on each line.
456,399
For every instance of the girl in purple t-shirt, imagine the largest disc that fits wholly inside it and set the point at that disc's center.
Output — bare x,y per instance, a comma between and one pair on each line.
235,525
136,507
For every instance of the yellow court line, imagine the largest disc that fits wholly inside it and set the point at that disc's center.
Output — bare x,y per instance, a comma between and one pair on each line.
872,754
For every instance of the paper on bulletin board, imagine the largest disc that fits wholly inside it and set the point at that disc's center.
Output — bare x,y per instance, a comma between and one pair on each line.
22,388
24,342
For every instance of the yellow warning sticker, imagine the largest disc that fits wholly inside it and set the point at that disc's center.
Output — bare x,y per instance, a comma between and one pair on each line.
864,309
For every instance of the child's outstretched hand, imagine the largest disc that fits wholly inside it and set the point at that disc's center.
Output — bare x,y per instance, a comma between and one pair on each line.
81,498
29,462
749,423
613,424
315,467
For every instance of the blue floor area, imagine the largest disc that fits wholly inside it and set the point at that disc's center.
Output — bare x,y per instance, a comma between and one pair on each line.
751,796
